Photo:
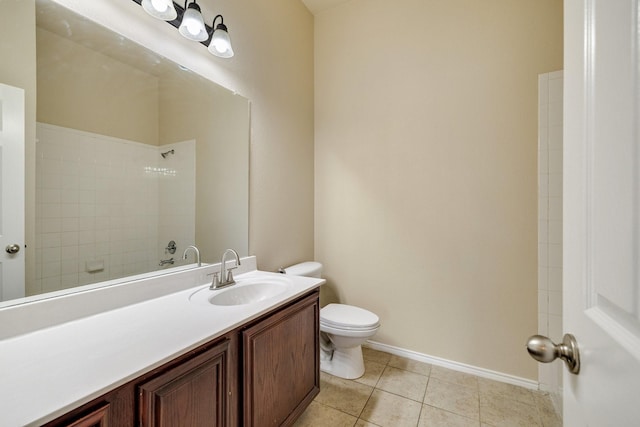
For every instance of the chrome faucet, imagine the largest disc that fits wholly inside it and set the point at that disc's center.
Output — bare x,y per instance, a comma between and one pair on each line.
226,276
184,254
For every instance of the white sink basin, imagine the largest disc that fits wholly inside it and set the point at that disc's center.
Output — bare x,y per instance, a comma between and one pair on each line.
248,291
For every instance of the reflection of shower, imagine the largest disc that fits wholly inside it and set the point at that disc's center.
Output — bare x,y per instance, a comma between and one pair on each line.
166,153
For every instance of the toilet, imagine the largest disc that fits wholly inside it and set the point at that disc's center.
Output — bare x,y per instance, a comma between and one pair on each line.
343,330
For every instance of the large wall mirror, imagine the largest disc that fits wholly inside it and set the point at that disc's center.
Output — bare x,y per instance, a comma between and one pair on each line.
136,158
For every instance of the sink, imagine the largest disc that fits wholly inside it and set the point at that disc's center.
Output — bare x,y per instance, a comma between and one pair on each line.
248,291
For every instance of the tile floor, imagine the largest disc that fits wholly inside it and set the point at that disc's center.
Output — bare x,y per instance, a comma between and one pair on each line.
398,392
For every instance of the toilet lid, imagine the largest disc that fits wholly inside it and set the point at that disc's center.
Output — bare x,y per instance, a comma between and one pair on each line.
343,315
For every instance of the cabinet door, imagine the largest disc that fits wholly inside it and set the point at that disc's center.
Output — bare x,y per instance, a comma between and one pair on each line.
282,364
193,393
96,418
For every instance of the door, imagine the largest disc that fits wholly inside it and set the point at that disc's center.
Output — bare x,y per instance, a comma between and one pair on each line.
602,210
11,192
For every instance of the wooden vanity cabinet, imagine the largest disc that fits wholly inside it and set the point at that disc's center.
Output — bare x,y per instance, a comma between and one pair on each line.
281,364
194,393
199,388
99,417
264,373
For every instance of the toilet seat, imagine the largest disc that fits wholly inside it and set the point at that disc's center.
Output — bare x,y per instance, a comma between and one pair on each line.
348,318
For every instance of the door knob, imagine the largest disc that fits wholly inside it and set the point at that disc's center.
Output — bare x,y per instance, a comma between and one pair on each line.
13,248
544,350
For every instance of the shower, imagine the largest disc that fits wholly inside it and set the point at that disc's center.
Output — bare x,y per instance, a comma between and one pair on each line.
166,153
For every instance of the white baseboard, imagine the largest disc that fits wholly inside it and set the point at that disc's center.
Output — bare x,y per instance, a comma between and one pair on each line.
456,366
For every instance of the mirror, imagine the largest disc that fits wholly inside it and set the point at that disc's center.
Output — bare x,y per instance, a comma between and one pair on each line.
133,152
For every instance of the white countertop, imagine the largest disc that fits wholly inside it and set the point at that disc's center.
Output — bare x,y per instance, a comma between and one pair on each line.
46,372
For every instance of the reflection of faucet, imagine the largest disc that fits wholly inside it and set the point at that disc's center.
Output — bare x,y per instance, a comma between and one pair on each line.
226,277
184,254
165,261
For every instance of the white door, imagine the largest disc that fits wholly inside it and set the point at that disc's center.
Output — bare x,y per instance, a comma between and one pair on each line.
602,210
11,192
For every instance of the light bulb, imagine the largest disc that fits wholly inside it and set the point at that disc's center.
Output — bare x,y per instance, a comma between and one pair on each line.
221,45
193,27
160,9
160,5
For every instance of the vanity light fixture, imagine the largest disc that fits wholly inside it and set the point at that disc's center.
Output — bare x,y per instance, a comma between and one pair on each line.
160,9
190,23
220,43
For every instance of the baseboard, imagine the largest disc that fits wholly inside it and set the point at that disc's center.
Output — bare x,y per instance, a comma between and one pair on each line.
456,366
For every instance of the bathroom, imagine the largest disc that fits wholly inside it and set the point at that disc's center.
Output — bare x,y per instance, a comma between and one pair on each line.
415,153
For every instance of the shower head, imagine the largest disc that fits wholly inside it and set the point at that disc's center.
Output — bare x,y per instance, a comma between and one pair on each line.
166,153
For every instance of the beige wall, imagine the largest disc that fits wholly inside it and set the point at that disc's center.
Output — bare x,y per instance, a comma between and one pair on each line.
100,95
425,170
218,120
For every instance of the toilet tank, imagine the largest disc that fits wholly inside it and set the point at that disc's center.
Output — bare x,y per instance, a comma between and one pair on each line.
309,269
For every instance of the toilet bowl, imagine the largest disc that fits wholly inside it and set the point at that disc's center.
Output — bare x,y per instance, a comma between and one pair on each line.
343,330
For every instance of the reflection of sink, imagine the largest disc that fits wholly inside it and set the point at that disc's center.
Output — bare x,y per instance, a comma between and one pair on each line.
244,292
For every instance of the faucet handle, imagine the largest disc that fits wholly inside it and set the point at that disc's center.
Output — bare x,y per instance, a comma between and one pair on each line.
215,282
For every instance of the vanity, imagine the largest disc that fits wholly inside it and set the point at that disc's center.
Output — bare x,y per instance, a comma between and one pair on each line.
166,351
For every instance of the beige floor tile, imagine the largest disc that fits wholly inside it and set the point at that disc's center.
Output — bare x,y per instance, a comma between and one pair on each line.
321,415
372,372
506,391
498,411
363,423
459,399
383,397
389,410
409,365
344,395
403,383
436,417
548,415
454,377
375,355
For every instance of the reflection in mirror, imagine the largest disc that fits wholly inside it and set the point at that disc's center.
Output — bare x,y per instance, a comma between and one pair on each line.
133,152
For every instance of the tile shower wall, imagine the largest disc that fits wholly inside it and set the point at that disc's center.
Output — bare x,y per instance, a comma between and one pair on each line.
100,206
550,224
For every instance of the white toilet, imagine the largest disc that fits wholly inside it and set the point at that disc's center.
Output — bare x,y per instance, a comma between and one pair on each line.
343,330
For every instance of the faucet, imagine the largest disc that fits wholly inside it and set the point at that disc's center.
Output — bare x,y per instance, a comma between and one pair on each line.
163,262
226,277
184,254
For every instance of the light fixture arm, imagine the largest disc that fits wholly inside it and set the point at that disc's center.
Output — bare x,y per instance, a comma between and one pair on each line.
213,24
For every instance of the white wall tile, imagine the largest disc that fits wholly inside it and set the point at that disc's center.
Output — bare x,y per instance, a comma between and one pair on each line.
555,255
543,278
555,137
555,303
100,202
555,208
550,219
555,232
543,255
555,114
555,328
543,232
543,302
555,279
